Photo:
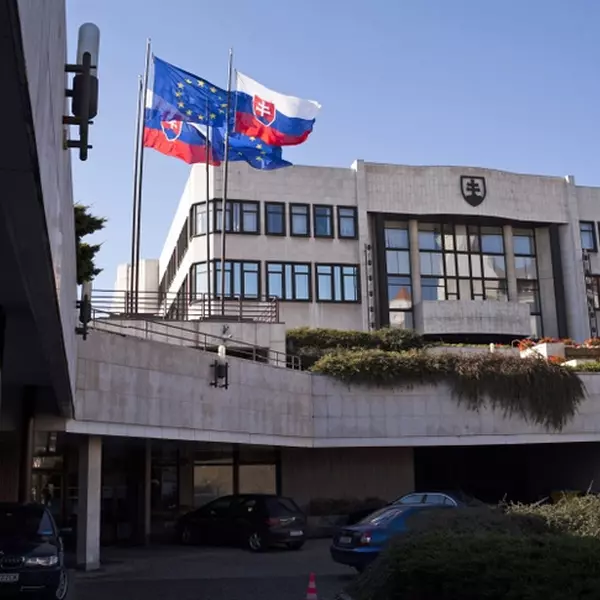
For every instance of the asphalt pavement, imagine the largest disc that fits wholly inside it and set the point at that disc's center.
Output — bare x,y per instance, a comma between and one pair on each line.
164,572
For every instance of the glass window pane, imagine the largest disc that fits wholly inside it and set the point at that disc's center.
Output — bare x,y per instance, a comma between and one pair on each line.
431,263
527,293
461,240
323,221
274,283
492,243
324,283
396,235
475,265
302,284
257,479
399,292
525,267
350,281
496,290
299,220
433,288
450,265
200,284
347,222
463,265
250,221
251,288
524,242
448,231
494,266
199,225
477,287
275,216
401,319
398,261
464,289
430,237
452,286
337,283
212,481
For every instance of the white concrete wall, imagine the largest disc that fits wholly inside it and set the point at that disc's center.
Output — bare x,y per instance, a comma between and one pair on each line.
475,316
43,29
132,387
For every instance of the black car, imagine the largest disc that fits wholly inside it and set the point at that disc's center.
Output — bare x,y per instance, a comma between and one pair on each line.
31,553
256,521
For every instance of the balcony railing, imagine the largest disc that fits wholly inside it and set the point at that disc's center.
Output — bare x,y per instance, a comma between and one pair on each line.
186,307
171,333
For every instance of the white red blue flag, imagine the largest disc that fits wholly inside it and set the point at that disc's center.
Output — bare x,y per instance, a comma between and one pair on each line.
275,118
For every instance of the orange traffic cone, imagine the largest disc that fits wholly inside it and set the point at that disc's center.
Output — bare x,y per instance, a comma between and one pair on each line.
311,592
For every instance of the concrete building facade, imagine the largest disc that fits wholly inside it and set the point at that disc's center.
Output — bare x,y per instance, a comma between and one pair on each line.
456,252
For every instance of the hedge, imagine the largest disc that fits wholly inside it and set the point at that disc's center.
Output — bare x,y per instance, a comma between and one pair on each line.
536,390
439,565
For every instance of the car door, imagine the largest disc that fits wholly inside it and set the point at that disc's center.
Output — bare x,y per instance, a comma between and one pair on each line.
245,516
208,521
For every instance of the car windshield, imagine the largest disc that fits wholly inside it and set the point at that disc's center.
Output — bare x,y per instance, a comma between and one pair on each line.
30,522
383,516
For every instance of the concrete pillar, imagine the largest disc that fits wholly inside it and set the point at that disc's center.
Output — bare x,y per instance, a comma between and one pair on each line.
145,497
186,476
572,263
415,274
511,271
26,433
88,510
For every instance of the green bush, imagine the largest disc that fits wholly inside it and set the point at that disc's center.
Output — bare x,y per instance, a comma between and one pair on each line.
489,566
587,367
575,515
537,390
324,507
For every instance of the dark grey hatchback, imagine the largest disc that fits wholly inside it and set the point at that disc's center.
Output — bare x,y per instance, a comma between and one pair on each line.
31,553
256,521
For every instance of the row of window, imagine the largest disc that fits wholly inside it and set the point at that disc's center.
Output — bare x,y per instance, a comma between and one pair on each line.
300,220
286,281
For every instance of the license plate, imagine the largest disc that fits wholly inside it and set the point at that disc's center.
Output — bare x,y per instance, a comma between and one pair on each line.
9,577
345,539
296,533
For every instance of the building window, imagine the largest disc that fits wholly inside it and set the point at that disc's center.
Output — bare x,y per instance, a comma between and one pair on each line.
323,218
242,279
198,281
289,281
198,220
347,222
175,260
399,286
241,217
299,220
587,231
179,309
337,283
528,289
275,218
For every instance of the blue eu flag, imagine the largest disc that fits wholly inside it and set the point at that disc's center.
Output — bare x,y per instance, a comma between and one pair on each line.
178,95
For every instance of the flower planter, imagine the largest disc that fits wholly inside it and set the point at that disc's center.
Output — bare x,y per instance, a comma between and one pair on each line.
546,350
580,352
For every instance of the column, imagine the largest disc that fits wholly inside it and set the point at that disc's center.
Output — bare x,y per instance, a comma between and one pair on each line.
511,271
26,445
415,274
88,511
144,526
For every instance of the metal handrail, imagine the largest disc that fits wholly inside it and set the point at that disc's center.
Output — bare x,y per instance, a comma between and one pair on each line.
103,320
188,306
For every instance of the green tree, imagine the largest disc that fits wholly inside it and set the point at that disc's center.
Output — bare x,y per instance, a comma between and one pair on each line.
86,224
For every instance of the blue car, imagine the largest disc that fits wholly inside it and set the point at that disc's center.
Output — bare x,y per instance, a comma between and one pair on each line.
359,545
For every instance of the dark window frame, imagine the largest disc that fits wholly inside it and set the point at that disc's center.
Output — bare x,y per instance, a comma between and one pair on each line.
594,233
293,283
216,275
266,218
293,205
535,281
330,208
332,277
389,224
354,222
231,209
193,220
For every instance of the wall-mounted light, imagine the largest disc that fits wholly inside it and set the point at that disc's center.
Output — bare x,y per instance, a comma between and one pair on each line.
220,369
84,93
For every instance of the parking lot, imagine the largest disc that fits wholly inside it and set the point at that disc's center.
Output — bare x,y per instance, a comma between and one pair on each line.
212,574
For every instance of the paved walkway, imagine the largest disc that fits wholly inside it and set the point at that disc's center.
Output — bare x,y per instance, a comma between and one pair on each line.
212,574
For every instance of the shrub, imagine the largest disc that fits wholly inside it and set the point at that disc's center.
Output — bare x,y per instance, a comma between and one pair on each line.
571,514
489,566
592,342
536,390
587,367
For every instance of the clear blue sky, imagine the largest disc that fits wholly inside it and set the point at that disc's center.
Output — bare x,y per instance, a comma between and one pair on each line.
507,84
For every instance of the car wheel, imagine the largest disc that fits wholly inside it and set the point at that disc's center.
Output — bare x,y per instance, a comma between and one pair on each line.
187,535
255,542
295,545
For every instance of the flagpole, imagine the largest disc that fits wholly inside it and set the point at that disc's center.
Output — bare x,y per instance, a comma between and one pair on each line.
208,221
225,177
141,173
130,275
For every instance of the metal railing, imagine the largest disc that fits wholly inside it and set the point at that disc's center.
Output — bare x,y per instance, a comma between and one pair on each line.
187,306
165,331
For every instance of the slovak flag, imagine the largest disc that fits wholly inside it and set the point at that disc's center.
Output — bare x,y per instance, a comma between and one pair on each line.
276,119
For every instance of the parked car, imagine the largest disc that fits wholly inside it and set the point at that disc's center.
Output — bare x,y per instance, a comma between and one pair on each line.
256,521
31,553
430,498
359,545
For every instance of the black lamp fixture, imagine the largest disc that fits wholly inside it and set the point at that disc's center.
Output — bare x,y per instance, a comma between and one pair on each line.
220,369
84,93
